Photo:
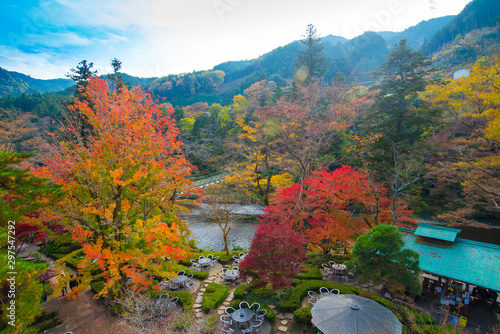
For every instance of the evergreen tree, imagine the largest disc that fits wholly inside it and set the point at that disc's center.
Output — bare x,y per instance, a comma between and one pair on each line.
81,75
311,58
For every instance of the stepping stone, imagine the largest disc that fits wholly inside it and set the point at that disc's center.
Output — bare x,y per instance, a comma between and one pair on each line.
272,307
220,312
226,303
284,322
199,315
283,329
289,316
197,306
280,316
203,290
199,300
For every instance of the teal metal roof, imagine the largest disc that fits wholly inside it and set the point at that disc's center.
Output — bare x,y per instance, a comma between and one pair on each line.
437,232
469,261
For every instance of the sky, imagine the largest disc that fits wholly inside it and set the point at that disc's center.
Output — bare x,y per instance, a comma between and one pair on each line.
152,38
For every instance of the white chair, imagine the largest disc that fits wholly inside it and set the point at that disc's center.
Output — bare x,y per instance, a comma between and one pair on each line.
255,307
195,263
172,301
182,272
215,259
229,311
335,291
227,330
327,269
226,320
323,290
257,325
244,305
313,295
247,330
260,314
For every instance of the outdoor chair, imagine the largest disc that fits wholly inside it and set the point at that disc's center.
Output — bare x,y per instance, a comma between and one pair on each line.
171,301
312,301
247,330
331,263
164,285
323,290
210,256
257,324
241,254
327,269
189,276
189,284
335,291
340,277
313,295
244,305
260,314
255,307
235,268
226,320
227,330
195,263
229,310
215,259
182,272
224,270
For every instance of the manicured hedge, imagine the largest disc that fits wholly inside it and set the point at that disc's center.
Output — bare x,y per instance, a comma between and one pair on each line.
241,291
214,296
309,271
300,291
185,298
303,315
270,314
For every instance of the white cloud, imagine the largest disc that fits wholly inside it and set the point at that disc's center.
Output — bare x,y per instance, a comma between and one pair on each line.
40,66
56,39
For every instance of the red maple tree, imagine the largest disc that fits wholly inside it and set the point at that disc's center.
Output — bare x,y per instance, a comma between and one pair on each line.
275,255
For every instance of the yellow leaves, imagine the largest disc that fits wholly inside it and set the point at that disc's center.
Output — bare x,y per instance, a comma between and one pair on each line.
116,175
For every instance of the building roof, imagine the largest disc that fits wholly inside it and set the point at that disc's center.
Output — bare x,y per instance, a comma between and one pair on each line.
437,232
464,260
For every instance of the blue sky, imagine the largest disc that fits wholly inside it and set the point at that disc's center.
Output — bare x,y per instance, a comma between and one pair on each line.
45,38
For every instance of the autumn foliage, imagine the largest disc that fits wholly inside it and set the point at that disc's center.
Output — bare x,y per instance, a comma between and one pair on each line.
331,208
121,184
275,255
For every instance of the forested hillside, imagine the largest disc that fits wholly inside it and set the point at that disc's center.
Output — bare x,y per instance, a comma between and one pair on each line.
15,84
477,14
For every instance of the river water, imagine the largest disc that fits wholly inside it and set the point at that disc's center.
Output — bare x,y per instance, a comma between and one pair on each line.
209,235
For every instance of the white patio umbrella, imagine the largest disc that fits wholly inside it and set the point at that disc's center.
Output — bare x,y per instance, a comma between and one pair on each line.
351,314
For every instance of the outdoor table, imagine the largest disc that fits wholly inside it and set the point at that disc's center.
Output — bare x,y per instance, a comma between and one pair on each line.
204,261
179,280
232,274
243,315
339,267
242,257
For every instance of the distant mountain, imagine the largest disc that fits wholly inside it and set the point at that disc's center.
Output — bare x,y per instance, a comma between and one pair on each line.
477,14
15,84
419,34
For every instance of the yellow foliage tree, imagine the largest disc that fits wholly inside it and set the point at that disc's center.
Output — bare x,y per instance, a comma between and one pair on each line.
471,144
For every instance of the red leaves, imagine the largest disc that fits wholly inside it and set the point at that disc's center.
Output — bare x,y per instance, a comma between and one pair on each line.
331,207
276,253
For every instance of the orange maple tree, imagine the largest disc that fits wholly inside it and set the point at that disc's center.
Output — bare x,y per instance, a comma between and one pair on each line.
332,208
121,186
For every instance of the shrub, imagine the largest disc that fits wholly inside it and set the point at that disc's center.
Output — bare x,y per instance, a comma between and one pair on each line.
303,315
97,286
214,296
241,291
365,294
309,271
185,298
